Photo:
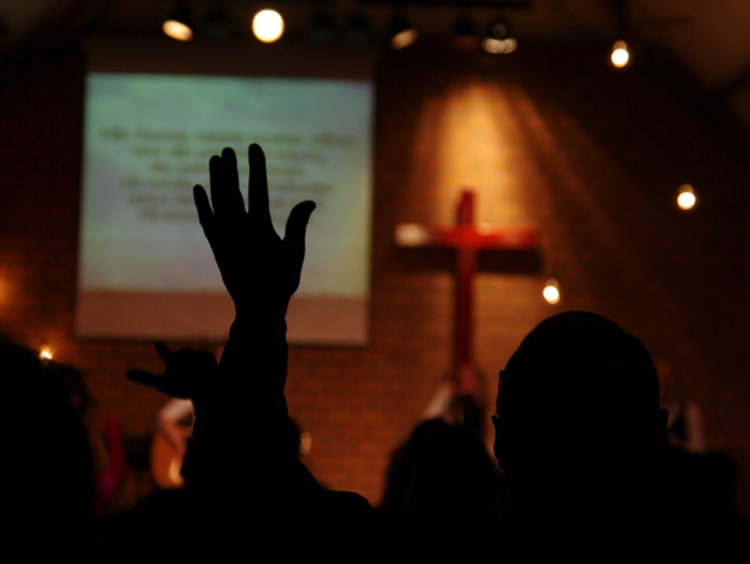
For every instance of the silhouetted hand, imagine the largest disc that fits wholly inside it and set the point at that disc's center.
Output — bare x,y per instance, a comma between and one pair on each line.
260,270
187,373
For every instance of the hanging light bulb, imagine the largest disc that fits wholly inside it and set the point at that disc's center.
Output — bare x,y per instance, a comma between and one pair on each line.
620,54
268,26
551,291
686,197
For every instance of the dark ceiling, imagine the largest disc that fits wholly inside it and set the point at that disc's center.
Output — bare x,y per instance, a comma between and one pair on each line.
708,39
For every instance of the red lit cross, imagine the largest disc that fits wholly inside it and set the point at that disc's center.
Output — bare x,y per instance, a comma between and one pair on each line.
466,239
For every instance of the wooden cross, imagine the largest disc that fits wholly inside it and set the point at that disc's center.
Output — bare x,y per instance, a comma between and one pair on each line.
466,240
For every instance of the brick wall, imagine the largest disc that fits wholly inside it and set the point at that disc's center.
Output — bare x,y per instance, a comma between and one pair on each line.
591,157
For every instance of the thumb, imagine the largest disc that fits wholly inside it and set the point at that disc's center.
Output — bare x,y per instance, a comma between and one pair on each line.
296,224
162,350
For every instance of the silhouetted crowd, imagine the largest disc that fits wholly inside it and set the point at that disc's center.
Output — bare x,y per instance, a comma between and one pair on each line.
582,466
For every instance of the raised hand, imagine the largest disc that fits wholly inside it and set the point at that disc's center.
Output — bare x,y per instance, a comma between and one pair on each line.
260,270
187,373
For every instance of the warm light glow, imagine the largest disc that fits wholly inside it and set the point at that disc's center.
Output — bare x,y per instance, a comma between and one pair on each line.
499,46
268,26
620,55
177,30
174,472
305,443
45,353
469,111
404,38
551,291
411,234
686,197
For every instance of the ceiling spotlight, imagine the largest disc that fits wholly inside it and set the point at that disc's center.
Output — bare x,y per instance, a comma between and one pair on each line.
464,32
268,26
686,198
323,27
498,40
179,25
620,54
357,30
498,30
216,24
403,33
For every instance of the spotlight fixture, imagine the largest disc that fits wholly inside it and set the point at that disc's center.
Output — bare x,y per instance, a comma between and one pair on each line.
498,40
179,25
216,24
357,30
403,33
268,26
464,32
620,54
323,27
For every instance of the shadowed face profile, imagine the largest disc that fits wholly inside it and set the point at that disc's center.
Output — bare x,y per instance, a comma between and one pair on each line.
578,390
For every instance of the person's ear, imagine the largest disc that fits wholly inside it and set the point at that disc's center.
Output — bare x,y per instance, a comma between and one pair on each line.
661,425
497,443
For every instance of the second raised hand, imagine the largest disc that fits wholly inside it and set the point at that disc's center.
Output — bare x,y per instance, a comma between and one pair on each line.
258,267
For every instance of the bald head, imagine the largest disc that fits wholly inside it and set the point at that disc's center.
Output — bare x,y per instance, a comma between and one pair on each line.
577,382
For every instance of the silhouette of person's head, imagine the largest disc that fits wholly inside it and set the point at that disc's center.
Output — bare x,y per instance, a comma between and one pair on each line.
47,454
575,401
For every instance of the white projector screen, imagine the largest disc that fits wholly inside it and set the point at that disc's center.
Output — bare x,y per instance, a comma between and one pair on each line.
145,268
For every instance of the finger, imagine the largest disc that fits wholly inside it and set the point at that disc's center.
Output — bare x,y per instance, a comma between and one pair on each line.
296,224
162,350
257,191
225,187
233,197
294,239
203,207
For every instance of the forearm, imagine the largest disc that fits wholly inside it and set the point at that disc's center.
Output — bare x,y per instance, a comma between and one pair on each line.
255,360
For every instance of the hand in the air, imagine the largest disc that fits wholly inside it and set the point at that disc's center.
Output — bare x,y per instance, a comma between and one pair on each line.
260,270
187,372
